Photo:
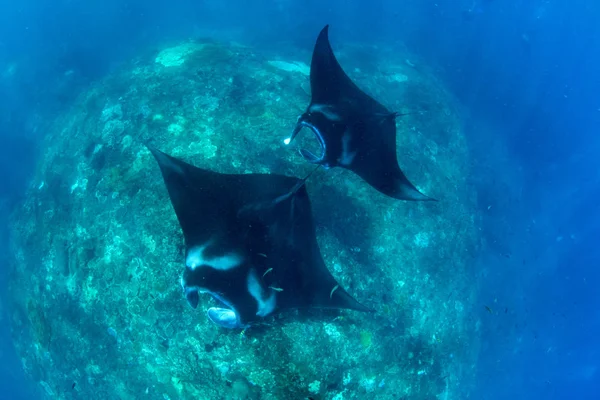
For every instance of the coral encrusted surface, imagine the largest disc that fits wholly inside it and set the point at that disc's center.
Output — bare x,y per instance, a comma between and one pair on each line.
97,308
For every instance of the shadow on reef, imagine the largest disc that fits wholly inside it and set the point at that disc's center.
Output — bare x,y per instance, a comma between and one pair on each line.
331,207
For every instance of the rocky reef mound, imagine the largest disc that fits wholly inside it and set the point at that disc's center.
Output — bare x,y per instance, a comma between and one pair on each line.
98,311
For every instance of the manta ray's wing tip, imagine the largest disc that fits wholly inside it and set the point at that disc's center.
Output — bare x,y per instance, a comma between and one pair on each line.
148,146
404,190
357,306
366,309
324,35
158,155
422,197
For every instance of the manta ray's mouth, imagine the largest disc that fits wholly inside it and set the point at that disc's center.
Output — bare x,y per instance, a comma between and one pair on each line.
223,317
307,149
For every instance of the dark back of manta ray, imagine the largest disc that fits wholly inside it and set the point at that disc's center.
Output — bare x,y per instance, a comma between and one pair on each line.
208,203
246,208
368,119
286,214
330,84
372,126
295,258
294,255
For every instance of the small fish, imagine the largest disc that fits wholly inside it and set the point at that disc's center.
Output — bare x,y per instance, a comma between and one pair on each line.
73,385
277,289
333,290
488,309
267,271
262,255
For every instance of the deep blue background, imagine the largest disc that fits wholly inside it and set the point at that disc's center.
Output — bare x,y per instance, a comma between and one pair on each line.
527,75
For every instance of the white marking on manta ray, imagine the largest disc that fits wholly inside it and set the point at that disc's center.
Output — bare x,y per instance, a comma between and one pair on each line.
195,258
265,305
347,156
327,111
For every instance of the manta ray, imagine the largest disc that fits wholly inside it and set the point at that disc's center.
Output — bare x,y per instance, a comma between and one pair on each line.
354,130
250,242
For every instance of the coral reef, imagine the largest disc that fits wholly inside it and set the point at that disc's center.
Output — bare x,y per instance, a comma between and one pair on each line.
98,312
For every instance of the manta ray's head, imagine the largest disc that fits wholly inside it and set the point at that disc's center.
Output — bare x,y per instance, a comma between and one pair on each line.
323,120
235,284
194,281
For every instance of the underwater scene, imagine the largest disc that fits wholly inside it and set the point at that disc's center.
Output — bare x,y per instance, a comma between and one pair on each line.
299,200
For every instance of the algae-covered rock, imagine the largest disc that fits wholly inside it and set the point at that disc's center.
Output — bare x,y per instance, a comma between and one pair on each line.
98,250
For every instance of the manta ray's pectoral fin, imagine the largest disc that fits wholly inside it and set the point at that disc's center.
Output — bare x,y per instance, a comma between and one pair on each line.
382,118
382,172
399,187
387,116
406,191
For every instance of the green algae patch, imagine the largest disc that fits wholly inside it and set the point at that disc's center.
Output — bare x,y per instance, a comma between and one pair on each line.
366,339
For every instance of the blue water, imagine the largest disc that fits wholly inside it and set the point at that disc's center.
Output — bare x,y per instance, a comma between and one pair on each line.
526,74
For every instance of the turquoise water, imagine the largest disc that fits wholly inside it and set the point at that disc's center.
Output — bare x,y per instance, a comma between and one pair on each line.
487,294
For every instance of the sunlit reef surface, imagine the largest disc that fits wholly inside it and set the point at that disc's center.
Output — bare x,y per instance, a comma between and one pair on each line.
98,309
